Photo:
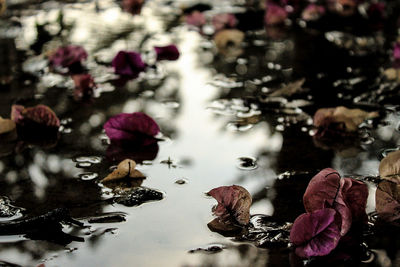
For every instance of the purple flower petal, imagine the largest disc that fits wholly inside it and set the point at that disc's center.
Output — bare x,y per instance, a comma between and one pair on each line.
84,85
274,14
356,195
134,127
233,204
128,64
325,191
133,7
169,52
223,21
315,234
67,56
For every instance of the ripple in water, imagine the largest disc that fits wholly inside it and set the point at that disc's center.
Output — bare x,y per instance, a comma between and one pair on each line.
247,163
86,176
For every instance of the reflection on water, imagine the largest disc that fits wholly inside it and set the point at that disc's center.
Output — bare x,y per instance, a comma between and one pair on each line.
224,121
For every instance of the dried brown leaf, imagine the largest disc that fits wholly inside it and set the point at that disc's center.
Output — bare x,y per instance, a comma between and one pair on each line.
125,169
387,199
389,168
6,125
349,118
289,89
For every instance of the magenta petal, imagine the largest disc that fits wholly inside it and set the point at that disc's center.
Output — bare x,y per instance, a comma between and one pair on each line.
356,195
134,127
67,56
275,14
169,52
325,191
128,64
396,51
315,234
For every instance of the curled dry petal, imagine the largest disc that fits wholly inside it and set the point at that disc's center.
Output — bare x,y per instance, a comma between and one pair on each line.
169,52
356,194
233,204
196,18
6,125
84,85
315,234
125,169
229,42
223,21
389,167
128,63
135,127
341,118
40,114
275,14
325,191
67,56
387,199
312,12
133,7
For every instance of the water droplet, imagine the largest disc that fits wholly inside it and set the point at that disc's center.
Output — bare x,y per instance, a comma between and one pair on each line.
214,248
280,128
87,159
181,181
368,140
385,152
247,163
172,104
66,121
88,176
237,127
83,165
66,130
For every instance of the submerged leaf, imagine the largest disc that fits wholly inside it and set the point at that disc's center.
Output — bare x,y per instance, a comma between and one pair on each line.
233,204
134,127
138,195
389,167
125,169
325,191
341,118
41,115
316,233
128,63
290,89
387,199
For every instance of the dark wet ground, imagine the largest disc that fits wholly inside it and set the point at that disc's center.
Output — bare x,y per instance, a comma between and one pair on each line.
220,127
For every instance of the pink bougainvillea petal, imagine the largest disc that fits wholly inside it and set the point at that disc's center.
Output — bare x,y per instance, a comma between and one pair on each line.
135,127
325,191
128,63
67,56
356,194
224,21
169,52
315,234
233,204
275,14
196,18
40,114
133,7
84,85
